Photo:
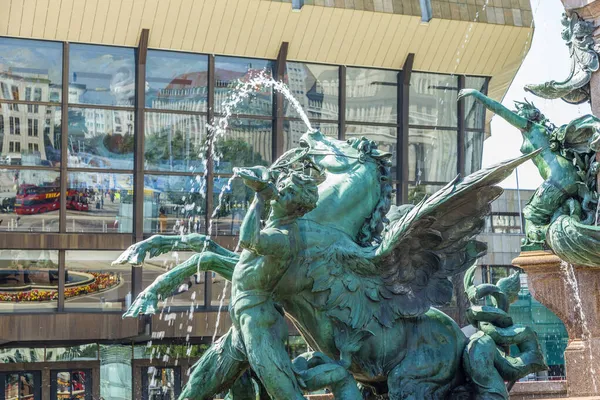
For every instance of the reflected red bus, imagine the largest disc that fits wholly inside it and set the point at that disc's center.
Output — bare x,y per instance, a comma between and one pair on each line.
32,199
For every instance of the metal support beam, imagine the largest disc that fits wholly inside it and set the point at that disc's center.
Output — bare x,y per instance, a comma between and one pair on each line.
209,168
64,140
342,104
138,158
61,280
278,103
461,130
140,102
402,151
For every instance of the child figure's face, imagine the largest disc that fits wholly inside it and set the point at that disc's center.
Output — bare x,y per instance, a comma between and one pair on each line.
291,200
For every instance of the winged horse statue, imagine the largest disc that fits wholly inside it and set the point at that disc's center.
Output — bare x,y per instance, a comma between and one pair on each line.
359,278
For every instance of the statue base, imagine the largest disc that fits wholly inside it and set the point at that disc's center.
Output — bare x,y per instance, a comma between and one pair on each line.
548,283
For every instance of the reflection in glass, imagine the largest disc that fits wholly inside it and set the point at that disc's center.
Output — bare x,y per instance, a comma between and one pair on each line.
248,142
221,290
100,138
26,386
316,87
174,142
474,110
180,205
417,192
189,294
473,151
11,386
235,200
72,385
176,81
21,355
116,372
231,70
84,352
371,95
30,65
28,280
96,284
433,99
101,202
101,75
385,137
160,384
432,155
29,200
293,131
30,135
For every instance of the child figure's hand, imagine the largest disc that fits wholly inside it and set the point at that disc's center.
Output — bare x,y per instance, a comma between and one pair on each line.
258,179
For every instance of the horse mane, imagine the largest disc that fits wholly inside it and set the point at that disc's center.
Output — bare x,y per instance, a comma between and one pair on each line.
370,232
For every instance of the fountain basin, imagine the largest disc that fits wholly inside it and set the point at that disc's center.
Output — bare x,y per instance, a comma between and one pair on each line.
14,280
549,284
79,284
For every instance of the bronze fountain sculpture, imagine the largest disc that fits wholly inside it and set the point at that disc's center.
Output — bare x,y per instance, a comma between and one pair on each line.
358,277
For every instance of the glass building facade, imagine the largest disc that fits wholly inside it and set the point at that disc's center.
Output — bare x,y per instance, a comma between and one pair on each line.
103,146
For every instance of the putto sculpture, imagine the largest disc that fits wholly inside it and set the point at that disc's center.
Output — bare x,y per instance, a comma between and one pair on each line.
563,212
358,278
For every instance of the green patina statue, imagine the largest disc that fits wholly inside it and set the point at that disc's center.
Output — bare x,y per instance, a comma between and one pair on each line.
358,278
563,212
575,89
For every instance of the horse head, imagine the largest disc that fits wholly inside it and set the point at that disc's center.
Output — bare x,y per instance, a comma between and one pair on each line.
356,191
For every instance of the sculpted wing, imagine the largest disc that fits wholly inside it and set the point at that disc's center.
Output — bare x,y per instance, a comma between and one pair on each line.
422,246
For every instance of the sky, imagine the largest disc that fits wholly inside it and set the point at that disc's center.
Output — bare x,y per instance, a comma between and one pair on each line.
547,59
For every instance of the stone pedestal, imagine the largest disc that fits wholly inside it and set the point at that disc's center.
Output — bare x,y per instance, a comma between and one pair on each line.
547,280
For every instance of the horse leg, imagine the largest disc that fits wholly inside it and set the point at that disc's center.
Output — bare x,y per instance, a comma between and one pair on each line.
218,369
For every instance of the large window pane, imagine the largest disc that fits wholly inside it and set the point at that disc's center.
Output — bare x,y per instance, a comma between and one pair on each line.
246,143
316,87
29,200
161,383
189,294
101,75
179,206
474,110
473,151
83,352
21,355
417,192
433,99
30,135
30,66
176,81
28,280
175,142
101,202
92,283
231,70
100,138
293,130
231,199
385,137
371,95
432,155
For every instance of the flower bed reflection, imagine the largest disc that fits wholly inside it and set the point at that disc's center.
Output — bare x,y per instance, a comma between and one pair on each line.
100,282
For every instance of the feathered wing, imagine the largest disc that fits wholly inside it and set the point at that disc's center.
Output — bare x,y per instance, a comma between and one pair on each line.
435,239
422,246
